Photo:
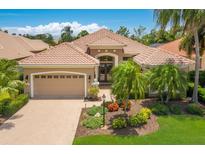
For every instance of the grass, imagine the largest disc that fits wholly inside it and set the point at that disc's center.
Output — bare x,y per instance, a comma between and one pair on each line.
175,129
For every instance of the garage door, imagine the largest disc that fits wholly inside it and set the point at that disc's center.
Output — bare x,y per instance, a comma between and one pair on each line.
59,86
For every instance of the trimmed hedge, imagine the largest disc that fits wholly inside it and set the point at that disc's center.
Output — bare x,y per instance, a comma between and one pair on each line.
195,109
160,109
201,92
191,76
8,106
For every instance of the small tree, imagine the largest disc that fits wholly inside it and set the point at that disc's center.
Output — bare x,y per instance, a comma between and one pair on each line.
127,78
9,77
168,80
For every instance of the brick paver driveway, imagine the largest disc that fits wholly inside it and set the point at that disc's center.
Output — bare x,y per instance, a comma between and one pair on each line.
43,122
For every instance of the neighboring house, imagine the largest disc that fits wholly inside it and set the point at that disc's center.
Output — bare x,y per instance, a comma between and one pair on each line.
173,48
69,69
18,47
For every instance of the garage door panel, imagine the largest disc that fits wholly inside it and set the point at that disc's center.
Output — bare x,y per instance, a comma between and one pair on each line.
59,86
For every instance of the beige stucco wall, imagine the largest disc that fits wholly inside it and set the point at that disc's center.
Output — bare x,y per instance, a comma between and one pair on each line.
88,71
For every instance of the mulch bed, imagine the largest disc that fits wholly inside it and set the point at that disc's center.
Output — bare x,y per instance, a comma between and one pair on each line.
148,128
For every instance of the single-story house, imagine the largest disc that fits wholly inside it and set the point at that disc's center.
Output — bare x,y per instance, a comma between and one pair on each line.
69,69
173,48
15,47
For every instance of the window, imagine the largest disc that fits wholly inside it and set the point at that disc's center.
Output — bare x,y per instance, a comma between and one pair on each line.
75,76
43,76
49,76
68,76
55,76
37,76
62,76
126,58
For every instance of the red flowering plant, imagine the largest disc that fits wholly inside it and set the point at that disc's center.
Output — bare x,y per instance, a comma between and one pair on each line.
126,106
113,107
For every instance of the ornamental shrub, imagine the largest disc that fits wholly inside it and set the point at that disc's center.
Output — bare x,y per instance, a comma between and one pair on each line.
93,122
195,109
95,109
159,109
175,109
146,112
191,76
126,106
119,123
93,91
15,104
5,99
113,107
201,95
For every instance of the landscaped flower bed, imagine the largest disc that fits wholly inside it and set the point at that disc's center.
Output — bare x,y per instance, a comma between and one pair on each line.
117,122
137,121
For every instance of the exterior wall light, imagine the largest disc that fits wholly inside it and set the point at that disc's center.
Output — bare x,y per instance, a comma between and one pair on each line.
98,50
114,50
106,50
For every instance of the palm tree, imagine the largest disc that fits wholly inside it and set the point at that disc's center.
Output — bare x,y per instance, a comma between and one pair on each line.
191,21
9,77
127,78
187,42
168,80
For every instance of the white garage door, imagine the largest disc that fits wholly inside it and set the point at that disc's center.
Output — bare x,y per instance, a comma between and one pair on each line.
59,86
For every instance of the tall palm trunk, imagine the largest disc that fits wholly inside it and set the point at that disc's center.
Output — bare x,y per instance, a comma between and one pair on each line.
197,66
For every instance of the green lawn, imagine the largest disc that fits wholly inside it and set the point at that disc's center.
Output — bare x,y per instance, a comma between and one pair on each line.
183,129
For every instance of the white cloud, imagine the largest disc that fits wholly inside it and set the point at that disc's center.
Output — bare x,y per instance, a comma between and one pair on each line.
54,28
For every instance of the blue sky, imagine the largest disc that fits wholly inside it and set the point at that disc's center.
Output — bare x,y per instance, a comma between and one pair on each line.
39,21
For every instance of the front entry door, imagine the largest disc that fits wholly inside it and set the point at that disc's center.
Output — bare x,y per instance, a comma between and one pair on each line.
105,72
106,64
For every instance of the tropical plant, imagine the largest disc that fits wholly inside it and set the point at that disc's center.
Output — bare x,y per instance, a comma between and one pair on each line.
191,20
9,77
66,34
82,33
126,78
124,31
169,81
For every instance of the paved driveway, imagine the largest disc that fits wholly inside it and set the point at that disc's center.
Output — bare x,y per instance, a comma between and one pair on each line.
43,122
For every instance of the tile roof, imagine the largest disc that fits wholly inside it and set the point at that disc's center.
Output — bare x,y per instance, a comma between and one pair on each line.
106,41
17,47
132,47
62,54
159,57
173,47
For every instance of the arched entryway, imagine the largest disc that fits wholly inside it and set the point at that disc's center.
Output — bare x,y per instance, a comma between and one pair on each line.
107,62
